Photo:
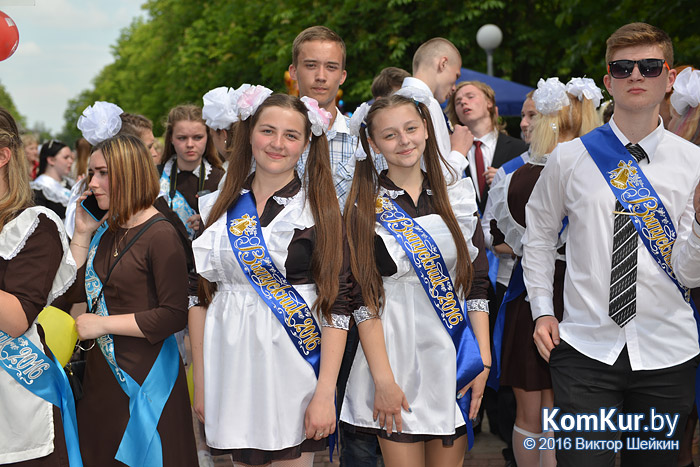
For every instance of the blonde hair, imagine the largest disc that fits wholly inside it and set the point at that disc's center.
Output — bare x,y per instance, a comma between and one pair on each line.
490,96
19,194
572,121
133,178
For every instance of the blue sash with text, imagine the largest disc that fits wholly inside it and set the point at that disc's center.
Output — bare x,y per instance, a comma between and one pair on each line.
636,194
44,378
288,306
425,257
140,444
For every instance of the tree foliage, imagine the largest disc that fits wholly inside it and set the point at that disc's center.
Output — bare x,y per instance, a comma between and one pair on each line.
187,47
7,102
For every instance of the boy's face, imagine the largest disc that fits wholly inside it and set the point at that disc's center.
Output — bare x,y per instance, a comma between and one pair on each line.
319,71
446,78
636,92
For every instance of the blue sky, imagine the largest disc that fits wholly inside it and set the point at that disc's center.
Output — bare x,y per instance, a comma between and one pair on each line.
63,44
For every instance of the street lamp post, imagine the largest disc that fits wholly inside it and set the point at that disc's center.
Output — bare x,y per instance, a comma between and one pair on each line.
489,37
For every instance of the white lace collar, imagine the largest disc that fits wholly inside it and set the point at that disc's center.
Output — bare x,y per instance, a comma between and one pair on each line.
52,189
13,238
168,168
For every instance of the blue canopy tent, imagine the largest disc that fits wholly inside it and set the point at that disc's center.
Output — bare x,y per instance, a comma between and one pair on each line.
509,95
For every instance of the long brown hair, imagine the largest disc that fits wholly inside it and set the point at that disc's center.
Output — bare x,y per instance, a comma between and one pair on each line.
19,195
133,179
360,209
191,113
326,259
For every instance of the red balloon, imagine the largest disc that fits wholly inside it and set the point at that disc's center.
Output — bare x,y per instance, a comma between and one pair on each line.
9,36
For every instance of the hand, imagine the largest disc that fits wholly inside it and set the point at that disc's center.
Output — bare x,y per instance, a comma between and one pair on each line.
477,385
194,221
461,139
489,173
89,326
546,335
388,401
85,225
319,419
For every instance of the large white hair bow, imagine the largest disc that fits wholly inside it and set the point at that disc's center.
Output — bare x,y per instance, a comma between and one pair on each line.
550,96
100,121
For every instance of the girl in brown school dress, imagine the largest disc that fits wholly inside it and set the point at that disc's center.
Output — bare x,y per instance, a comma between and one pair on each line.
191,166
35,266
146,299
566,112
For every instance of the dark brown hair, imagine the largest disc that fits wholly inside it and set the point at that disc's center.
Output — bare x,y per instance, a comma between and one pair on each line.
191,113
389,78
360,209
327,257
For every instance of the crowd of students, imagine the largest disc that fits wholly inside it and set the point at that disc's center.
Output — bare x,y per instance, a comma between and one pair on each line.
276,235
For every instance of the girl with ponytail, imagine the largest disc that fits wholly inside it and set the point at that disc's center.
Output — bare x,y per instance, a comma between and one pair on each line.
272,276
403,377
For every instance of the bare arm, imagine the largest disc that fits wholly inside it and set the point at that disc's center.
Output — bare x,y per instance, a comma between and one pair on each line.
320,414
388,396
196,319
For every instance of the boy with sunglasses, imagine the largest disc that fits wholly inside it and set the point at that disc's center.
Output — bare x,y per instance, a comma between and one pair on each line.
628,343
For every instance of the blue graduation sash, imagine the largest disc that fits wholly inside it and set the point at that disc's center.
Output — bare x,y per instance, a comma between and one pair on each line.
140,444
178,203
636,194
427,262
494,261
286,304
44,378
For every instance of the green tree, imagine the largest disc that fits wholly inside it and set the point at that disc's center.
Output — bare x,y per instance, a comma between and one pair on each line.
7,102
187,47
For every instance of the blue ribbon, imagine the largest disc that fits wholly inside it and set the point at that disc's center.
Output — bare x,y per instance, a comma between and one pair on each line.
44,378
140,444
288,306
516,287
426,259
494,261
178,203
636,194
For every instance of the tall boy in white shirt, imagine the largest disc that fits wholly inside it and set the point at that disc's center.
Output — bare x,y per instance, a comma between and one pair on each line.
628,344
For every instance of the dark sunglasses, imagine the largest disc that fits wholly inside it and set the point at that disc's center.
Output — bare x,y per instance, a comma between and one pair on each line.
648,67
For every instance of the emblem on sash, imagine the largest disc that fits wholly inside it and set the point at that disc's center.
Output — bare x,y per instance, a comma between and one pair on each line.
624,175
244,225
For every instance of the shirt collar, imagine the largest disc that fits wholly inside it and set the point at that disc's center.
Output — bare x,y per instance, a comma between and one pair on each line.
287,191
340,125
416,83
650,141
386,183
489,139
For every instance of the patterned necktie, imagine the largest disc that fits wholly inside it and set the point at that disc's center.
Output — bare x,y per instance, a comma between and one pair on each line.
623,275
479,159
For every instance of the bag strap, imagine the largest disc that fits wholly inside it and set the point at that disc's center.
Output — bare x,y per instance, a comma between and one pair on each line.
126,248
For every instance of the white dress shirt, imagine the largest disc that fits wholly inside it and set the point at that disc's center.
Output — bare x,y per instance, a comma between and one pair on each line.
663,333
454,159
488,147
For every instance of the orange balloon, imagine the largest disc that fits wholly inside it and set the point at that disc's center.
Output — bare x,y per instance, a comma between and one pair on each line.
9,36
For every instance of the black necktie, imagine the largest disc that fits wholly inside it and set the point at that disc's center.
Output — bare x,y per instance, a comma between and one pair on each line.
623,274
